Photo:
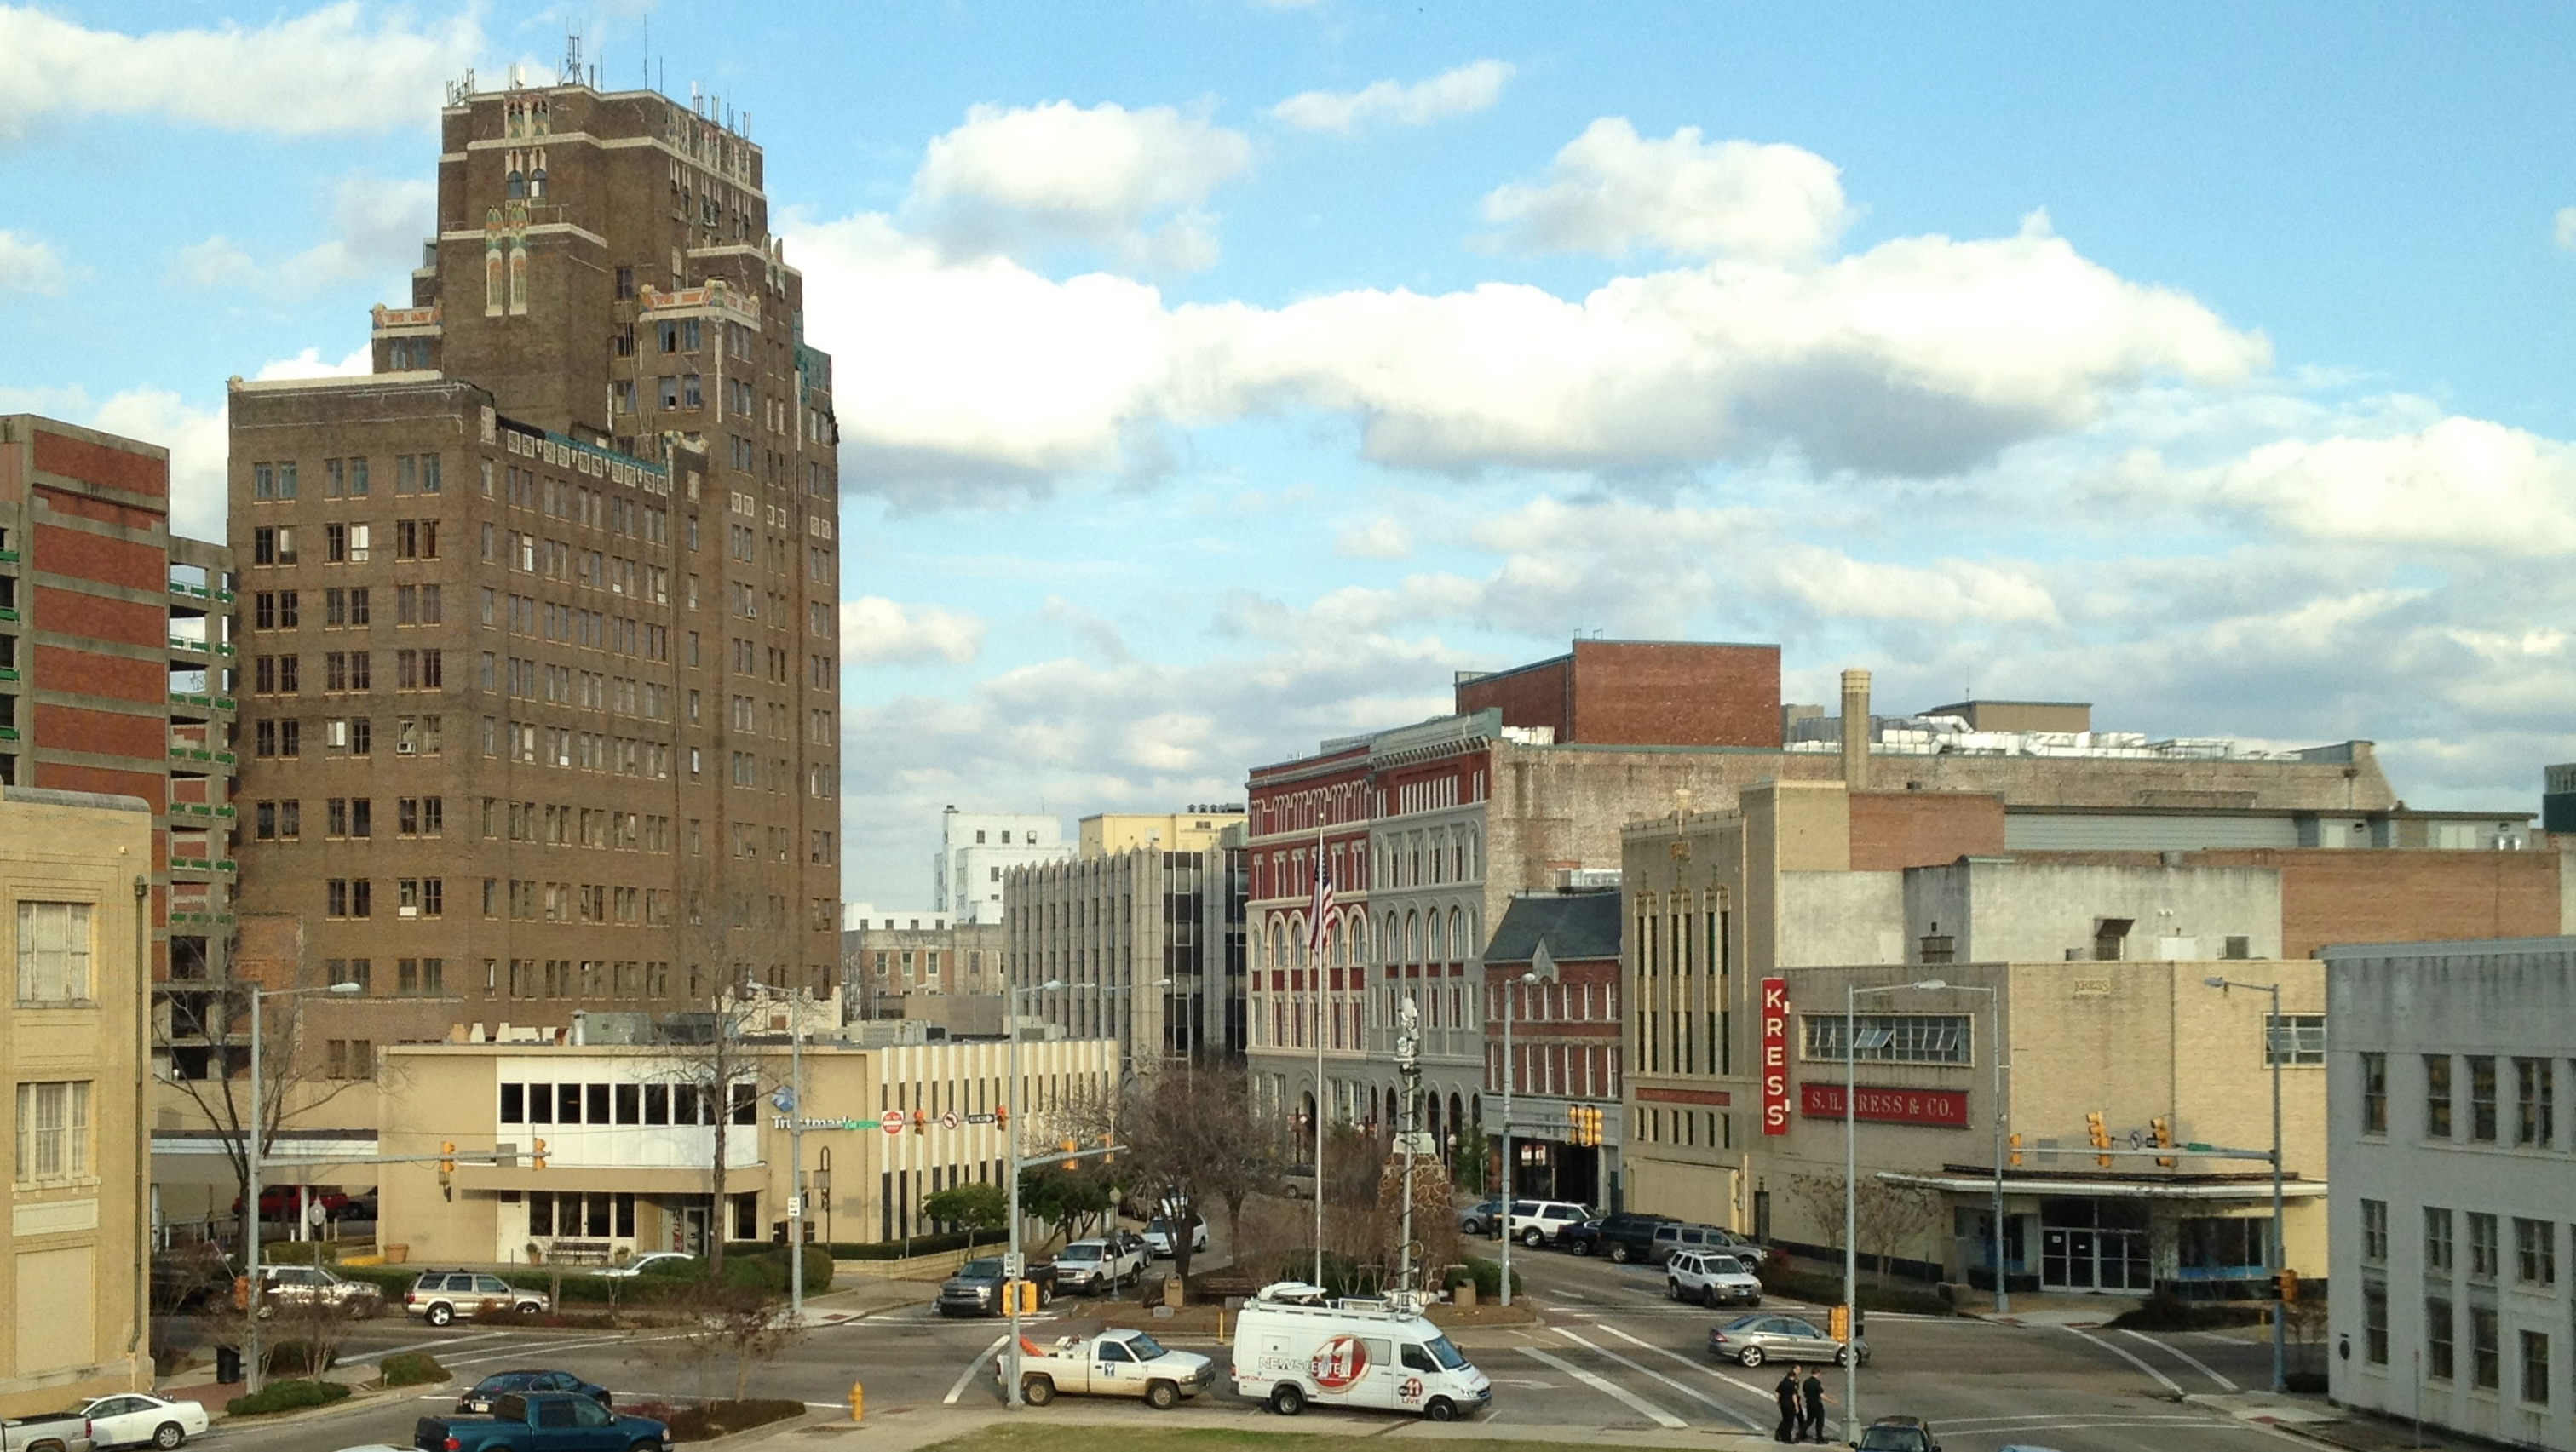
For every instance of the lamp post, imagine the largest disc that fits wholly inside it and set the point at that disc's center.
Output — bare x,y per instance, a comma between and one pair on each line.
252,1371
1503,1212
1851,1179
1995,1039
795,1142
2276,1256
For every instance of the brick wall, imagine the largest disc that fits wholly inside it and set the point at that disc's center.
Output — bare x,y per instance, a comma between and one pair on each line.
1676,694
1895,830
2398,896
132,469
87,556
1532,695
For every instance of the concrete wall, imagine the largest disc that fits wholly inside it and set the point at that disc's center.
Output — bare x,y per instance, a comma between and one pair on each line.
2033,912
1842,917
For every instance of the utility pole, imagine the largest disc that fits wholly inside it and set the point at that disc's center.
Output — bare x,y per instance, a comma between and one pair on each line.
1408,1063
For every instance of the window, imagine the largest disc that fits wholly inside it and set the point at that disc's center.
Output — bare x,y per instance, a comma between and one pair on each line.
2437,1096
2535,1252
2374,1093
2374,1232
2482,1098
1919,1038
2439,1364
53,1132
2483,1250
53,952
2484,1353
2437,1241
2374,1323
2535,1368
2535,1110
2295,1038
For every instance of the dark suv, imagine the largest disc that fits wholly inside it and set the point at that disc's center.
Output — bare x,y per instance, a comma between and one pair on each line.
1622,1237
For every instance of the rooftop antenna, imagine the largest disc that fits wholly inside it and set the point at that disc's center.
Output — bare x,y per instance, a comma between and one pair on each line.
645,46
572,57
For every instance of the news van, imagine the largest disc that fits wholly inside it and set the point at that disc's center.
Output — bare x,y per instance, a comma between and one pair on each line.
1291,1348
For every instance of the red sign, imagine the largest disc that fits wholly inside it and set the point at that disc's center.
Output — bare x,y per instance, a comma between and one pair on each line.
1775,1056
1939,1108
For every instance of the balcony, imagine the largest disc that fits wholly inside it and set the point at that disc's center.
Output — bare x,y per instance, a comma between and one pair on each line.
184,754
187,646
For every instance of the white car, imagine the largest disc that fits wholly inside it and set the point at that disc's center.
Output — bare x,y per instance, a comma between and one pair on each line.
1093,1266
1711,1279
1158,1238
1540,1222
136,1420
642,1263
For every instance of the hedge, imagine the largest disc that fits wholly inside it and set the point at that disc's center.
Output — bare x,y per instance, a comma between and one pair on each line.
286,1396
411,1368
1488,1276
918,1245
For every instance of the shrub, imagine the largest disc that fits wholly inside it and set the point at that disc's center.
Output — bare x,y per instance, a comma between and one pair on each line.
709,1420
300,1358
393,1280
286,1396
411,1368
1487,1276
900,1249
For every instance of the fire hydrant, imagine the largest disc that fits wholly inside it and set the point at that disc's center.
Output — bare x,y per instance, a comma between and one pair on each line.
858,1401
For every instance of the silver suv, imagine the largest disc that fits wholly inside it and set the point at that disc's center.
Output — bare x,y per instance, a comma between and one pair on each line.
441,1296
1711,1279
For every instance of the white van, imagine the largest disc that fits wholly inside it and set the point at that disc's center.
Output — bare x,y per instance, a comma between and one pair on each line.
1356,1354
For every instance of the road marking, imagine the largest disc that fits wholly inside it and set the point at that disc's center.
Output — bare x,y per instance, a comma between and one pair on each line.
1640,1368
1607,1388
973,1367
2168,1383
420,1346
2194,1362
1748,1388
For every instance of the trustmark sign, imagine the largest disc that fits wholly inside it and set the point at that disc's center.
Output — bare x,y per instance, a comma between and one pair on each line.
1775,1056
1938,1108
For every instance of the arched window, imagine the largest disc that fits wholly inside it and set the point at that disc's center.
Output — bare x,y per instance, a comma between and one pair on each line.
1439,850
1357,923
1458,936
1412,938
518,184
1439,940
1278,945
1387,947
1297,940
537,182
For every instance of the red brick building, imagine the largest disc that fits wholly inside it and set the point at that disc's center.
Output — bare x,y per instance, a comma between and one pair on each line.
1566,1044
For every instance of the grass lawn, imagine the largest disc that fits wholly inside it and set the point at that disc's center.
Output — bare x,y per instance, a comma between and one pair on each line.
1062,1437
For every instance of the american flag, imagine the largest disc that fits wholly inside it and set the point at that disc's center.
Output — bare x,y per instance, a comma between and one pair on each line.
1319,912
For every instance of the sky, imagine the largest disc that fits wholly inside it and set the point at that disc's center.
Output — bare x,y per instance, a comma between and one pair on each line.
1215,376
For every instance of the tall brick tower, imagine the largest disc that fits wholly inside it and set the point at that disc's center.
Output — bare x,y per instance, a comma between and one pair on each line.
540,677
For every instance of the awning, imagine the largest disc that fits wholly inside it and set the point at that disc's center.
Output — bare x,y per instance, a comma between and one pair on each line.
634,1180
2245,1190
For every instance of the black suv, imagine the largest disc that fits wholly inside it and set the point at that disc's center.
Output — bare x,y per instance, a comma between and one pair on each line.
1622,1237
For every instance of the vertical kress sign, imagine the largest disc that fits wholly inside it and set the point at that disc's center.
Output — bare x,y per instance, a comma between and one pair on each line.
1775,1056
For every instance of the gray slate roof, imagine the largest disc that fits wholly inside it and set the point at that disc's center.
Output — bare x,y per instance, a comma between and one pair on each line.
1575,925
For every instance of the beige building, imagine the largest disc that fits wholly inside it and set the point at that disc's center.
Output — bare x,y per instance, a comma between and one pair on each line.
1195,829
630,1141
75,875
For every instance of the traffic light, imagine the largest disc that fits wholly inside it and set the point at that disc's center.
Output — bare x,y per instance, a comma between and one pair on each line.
2100,1135
447,1158
2016,1149
1070,1164
2285,1287
537,1155
1574,1124
1592,1123
1106,1140
920,1121
1838,1325
1001,1116
1027,1292
2162,1129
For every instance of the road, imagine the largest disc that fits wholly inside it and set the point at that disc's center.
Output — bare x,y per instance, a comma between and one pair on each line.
1614,1354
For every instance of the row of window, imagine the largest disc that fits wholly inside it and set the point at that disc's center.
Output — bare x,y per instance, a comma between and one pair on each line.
355,897
563,685
583,505
413,977
283,821
345,544
350,670
2531,1080
572,625
527,554
624,978
345,478
2535,1244
346,736
283,609
2441,1361
624,1103
569,826
529,900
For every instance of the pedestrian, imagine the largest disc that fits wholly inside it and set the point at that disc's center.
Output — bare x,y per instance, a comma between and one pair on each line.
1791,1424
1815,1390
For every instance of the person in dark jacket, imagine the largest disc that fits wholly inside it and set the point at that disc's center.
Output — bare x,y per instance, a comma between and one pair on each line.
1791,1424
1815,1390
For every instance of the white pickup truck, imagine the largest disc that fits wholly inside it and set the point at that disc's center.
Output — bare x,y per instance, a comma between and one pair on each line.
1105,1264
1111,1364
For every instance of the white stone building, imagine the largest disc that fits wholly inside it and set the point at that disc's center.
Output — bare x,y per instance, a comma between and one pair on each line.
977,850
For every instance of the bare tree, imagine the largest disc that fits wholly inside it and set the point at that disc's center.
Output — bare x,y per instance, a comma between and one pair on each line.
291,1084
709,1068
1189,1141
1886,1216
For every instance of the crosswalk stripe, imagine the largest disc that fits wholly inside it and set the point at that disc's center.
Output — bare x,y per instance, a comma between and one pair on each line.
2168,1383
1607,1388
1746,1387
973,1367
1694,1393
2194,1362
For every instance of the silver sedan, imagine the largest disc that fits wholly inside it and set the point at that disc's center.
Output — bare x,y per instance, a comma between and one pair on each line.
1753,1340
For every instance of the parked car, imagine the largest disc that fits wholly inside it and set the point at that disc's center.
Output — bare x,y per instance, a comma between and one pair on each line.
442,1296
1753,1340
1711,1278
1158,1237
136,1420
976,1289
1297,1182
1093,1266
52,1432
1676,1236
486,1394
1480,1218
1541,1222
665,1260
304,1285
1113,1364
1897,1434
1622,1237
542,1422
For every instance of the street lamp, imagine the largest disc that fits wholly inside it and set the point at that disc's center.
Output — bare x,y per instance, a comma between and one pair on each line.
795,1141
1017,1263
1879,1038
1503,1212
2276,1256
250,1160
1995,1036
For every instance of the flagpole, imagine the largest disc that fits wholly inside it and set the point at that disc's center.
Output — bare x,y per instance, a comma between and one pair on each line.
1315,968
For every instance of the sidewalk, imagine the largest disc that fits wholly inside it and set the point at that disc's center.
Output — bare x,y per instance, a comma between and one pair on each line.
856,1296
2039,1309
2320,1421
905,1431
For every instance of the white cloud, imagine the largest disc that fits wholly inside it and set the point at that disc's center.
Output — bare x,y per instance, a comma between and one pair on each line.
1013,177
323,72
379,227
1381,538
309,364
2565,228
878,631
198,442
1611,190
30,264
1475,86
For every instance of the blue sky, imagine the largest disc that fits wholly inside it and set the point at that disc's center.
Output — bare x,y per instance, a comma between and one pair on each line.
1216,376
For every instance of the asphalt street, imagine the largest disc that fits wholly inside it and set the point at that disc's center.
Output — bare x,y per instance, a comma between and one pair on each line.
1614,1354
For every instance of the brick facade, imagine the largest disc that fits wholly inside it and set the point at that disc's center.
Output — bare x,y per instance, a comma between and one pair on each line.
1641,693
1892,830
